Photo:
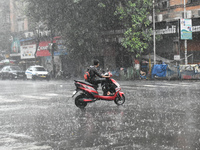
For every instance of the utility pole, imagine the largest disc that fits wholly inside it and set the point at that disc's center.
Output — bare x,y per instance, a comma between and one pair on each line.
154,33
52,54
186,60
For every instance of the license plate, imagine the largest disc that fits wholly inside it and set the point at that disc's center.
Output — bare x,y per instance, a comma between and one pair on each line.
43,76
74,93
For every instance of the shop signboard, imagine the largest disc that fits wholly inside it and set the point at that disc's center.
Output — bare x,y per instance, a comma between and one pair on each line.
28,51
177,57
15,47
60,49
43,49
186,29
167,30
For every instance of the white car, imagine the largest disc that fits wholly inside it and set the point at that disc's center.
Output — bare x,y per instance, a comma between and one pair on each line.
37,72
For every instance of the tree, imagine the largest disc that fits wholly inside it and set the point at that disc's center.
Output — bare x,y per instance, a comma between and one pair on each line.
79,22
134,15
5,35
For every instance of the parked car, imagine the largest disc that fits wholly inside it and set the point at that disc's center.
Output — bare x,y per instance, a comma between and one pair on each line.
12,72
37,72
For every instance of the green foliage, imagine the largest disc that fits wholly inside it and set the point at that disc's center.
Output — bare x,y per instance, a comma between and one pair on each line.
80,22
134,15
5,34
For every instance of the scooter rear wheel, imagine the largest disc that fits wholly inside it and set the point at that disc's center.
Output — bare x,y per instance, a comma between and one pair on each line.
120,100
80,104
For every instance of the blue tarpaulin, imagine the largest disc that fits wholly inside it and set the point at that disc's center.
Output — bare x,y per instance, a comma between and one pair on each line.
159,70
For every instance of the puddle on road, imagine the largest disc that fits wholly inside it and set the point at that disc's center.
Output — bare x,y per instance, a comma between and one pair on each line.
14,141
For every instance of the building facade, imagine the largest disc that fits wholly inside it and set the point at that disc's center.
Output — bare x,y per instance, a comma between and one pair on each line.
4,28
168,26
31,46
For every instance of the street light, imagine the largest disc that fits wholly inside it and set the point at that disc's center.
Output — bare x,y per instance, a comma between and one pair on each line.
186,60
154,33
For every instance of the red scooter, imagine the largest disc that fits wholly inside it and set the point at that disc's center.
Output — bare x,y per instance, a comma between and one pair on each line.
88,92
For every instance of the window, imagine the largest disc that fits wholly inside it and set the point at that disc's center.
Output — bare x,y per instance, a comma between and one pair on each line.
39,69
7,69
15,68
20,25
193,1
163,4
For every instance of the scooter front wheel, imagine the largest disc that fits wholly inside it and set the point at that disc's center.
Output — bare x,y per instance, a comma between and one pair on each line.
80,104
119,100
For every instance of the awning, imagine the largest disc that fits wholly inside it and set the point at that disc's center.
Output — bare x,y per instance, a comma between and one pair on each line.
7,62
43,49
158,58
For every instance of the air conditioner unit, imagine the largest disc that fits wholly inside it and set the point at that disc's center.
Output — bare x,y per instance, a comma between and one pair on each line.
156,18
168,4
198,12
31,34
189,14
150,18
42,33
26,34
166,16
47,33
160,17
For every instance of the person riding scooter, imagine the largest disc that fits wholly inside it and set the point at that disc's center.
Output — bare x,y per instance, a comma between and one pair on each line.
94,74
87,92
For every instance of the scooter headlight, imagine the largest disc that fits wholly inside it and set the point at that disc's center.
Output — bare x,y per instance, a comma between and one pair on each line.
117,89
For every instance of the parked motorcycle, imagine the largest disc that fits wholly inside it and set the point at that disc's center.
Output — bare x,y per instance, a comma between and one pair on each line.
88,92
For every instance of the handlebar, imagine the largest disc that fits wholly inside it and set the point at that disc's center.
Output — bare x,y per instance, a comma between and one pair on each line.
108,74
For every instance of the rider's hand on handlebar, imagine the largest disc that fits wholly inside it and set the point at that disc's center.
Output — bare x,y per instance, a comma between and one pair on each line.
106,76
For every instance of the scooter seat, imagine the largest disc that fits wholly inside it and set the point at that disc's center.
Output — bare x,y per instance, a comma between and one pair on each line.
85,82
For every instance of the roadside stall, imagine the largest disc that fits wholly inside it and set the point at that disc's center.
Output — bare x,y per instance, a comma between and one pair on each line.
165,69
190,71
173,72
159,71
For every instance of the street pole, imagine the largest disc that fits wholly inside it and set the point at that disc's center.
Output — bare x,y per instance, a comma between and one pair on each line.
52,54
154,33
186,60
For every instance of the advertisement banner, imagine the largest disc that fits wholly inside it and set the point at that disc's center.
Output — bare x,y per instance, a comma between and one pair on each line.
60,48
28,51
186,29
43,49
15,47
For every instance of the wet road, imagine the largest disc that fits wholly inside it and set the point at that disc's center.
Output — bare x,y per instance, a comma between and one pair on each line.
157,115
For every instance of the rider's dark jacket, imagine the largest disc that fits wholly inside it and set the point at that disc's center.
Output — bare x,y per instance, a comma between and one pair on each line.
94,73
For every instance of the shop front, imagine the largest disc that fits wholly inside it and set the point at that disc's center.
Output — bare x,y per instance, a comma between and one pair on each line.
44,52
194,44
170,44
